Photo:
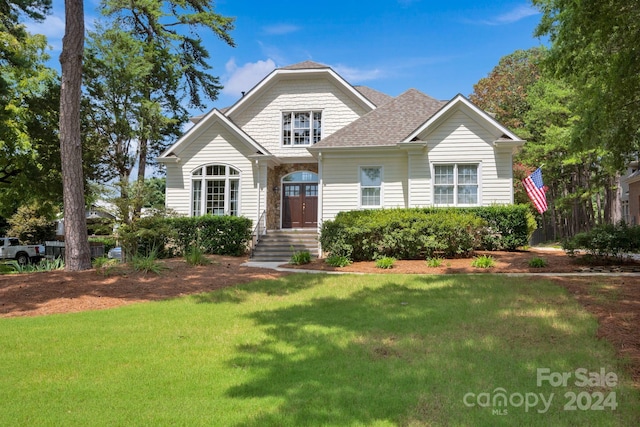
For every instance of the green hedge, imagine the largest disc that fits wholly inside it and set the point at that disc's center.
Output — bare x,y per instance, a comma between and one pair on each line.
606,240
169,236
220,235
422,232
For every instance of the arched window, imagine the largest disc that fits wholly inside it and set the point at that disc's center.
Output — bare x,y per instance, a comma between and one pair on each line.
215,190
302,176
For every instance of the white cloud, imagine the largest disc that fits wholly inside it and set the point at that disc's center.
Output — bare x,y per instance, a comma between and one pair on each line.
514,15
52,28
280,29
242,79
517,14
355,75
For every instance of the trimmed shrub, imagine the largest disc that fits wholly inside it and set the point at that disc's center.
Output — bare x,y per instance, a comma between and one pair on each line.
402,233
424,232
509,226
606,240
219,235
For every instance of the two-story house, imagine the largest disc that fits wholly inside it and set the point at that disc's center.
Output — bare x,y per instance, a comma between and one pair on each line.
304,144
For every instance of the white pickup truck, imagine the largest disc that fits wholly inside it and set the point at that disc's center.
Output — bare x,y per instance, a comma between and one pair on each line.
10,248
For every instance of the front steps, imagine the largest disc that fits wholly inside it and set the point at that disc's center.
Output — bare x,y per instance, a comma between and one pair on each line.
279,245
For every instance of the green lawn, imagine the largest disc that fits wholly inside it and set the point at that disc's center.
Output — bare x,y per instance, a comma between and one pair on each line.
315,350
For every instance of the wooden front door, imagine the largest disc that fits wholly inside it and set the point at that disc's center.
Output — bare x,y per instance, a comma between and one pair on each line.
300,205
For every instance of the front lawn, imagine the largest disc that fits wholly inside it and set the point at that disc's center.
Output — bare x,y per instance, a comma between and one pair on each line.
319,350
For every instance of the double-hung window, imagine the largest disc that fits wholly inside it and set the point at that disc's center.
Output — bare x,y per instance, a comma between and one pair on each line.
215,190
371,186
455,185
301,128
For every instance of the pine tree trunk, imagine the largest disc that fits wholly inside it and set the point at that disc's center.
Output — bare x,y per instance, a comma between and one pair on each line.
77,252
142,168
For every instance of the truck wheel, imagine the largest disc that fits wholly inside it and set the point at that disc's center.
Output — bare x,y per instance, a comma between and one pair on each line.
22,258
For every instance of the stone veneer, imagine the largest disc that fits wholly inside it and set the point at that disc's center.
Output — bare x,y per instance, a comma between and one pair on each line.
274,180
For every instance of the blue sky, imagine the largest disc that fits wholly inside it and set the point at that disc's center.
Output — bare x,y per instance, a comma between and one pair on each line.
438,47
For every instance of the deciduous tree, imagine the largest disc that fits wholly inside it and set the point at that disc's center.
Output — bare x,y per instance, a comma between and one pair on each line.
595,49
169,35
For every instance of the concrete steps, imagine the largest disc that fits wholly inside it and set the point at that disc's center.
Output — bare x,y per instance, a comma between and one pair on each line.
279,245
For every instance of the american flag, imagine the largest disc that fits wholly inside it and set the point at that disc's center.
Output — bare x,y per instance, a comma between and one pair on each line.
535,190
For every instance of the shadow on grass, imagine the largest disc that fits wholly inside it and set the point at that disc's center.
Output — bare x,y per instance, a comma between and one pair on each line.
284,286
407,349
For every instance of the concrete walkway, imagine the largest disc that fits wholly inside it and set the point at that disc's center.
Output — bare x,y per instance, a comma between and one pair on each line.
276,266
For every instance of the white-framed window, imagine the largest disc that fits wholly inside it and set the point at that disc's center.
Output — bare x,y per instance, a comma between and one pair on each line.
371,186
455,185
215,190
301,128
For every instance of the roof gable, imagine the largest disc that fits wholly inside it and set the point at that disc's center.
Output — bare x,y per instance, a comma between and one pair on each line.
483,118
214,116
307,69
387,125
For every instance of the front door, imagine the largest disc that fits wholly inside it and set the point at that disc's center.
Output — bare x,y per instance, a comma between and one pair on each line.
300,205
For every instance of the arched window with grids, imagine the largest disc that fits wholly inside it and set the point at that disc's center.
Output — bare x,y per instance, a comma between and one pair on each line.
215,190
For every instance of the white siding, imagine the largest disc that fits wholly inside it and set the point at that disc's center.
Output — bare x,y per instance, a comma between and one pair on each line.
406,180
262,120
214,145
341,181
460,139
419,178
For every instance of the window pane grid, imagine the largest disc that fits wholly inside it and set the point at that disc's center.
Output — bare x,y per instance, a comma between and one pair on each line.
370,186
370,196
301,128
455,184
197,198
234,192
221,194
215,197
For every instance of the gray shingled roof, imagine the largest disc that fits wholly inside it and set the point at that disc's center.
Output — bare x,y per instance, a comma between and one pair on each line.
388,124
304,66
377,97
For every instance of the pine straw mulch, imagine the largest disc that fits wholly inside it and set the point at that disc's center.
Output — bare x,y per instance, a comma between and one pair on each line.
614,300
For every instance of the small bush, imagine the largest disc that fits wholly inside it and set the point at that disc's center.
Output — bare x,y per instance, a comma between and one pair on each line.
104,265
218,235
43,265
300,257
483,261
606,240
434,262
195,256
338,261
385,262
537,263
147,263
6,269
